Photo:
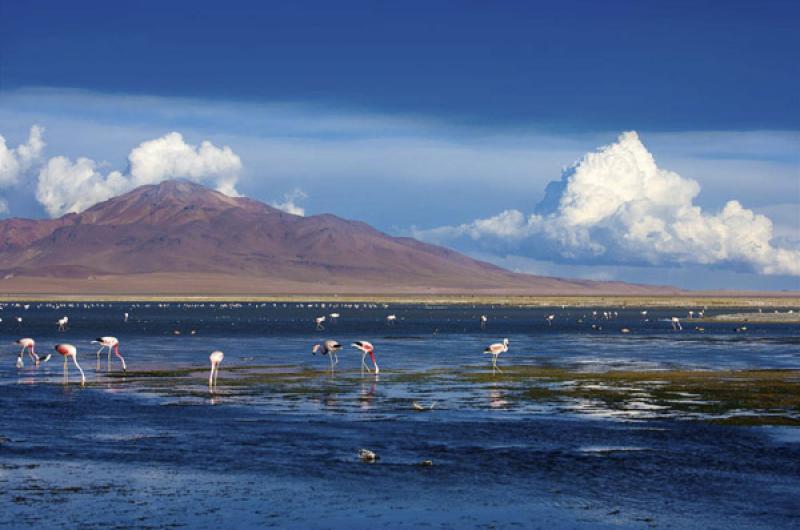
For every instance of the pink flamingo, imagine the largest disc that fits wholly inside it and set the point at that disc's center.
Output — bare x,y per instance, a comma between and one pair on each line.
366,349
28,345
216,359
68,350
496,349
112,343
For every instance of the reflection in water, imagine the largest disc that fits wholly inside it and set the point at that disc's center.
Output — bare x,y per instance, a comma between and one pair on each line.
497,398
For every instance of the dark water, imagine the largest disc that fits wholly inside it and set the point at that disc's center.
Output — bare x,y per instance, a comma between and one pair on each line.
148,452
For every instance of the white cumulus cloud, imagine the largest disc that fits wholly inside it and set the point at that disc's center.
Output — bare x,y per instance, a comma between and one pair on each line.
289,203
65,186
617,206
13,162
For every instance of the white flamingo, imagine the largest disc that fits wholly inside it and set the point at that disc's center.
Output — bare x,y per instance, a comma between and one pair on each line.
496,349
216,358
676,324
68,350
391,319
62,323
484,320
550,319
366,349
112,343
319,321
329,348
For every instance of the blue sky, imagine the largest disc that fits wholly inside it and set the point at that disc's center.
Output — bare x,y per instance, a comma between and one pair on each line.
417,116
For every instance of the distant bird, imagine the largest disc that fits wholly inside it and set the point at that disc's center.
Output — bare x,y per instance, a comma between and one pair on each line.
741,329
319,321
68,350
329,348
391,319
550,319
367,456
484,320
28,345
644,314
62,323
334,316
676,324
112,343
625,330
366,349
216,359
496,349
125,317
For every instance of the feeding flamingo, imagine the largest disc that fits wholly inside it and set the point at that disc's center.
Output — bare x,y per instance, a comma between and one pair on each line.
28,345
329,348
112,343
496,349
319,321
216,359
366,349
68,350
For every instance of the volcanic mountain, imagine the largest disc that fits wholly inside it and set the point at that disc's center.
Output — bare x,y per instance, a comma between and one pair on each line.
179,237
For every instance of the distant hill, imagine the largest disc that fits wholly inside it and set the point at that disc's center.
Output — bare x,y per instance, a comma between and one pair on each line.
181,237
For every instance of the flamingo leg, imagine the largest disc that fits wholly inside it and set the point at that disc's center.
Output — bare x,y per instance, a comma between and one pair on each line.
20,362
211,377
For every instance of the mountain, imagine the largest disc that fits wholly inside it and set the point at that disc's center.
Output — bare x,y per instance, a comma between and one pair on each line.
180,237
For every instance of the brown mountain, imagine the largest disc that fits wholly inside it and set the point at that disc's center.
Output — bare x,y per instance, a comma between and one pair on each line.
180,237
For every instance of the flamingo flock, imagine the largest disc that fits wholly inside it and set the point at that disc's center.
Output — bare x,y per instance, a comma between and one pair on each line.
330,348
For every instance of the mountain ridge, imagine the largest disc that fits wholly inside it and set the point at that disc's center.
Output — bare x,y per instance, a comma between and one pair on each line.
183,229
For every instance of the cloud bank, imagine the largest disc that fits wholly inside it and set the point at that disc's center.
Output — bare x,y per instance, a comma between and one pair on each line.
616,206
65,186
14,162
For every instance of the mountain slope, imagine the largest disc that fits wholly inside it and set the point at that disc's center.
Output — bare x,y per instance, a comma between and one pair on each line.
190,237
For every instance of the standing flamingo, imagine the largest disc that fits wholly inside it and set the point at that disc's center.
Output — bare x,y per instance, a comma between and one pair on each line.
676,324
216,359
550,319
484,320
110,343
62,323
391,319
366,349
68,350
329,348
319,321
496,349
29,345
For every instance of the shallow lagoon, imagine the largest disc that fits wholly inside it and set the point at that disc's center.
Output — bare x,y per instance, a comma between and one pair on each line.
584,428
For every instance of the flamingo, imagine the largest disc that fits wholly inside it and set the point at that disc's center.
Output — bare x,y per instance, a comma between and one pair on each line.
366,349
676,324
496,349
550,319
334,316
216,359
484,320
29,345
319,321
329,348
391,319
62,323
110,343
68,350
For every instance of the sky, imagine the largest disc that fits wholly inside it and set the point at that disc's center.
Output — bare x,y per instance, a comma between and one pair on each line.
639,141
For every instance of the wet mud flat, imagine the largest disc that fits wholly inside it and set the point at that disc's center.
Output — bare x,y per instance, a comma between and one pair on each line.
532,447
